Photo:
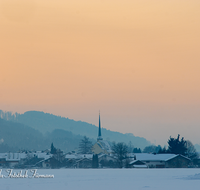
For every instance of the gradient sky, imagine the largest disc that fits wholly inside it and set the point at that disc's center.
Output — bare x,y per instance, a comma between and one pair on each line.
136,61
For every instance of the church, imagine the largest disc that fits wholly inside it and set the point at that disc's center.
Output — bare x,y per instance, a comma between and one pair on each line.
101,146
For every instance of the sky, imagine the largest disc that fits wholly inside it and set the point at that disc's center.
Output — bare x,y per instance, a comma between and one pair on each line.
137,62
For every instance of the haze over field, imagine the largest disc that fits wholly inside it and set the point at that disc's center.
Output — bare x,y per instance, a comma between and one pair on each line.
136,61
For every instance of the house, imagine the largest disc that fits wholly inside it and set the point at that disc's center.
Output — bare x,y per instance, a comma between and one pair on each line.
162,160
33,159
84,163
78,156
59,155
78,160
106,160
196,162
137,164
11,159
178,161
106,157
70,163
45,163
50,162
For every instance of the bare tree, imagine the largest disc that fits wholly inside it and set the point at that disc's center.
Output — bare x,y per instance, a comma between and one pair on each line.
191,151
85,146
130,147
120,150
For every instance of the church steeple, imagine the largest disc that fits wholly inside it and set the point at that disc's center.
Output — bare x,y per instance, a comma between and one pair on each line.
99,133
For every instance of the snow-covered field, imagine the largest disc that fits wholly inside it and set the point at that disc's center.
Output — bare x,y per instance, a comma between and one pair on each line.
103,179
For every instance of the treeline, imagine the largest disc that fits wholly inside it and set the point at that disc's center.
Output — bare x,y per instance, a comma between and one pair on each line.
175,146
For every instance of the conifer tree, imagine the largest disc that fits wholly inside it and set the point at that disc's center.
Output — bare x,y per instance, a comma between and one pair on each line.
177,146
53,149
95,161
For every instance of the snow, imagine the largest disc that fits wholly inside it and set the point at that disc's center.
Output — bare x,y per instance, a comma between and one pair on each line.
78,156
107,179
139,166
104,145
154,157
12,156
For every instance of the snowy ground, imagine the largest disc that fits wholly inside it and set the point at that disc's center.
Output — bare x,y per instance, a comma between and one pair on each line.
103,179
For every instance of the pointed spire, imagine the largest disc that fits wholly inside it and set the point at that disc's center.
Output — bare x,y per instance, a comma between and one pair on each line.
99,133
99,125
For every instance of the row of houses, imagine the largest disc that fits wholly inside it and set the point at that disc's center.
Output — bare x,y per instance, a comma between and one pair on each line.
134,160
13,159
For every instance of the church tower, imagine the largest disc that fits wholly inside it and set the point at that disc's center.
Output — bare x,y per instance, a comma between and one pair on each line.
99,132
101,146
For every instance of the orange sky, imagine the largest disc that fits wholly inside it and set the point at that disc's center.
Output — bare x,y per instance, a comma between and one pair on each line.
136,61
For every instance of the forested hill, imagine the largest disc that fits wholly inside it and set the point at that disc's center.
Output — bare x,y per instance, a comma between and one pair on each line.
17,136
45,122
14,136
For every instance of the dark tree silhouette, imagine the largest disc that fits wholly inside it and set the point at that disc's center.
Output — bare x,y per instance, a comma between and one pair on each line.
163,150
53,149
95,161
137,150
177,146
85,146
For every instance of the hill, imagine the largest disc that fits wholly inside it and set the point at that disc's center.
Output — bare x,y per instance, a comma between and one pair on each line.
45,122
16,136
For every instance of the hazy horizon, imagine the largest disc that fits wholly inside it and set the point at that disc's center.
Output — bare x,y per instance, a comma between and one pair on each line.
136,61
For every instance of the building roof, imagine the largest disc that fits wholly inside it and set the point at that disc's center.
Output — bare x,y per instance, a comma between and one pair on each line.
105,155
78,156
155,157
104,145
83,159
18,156
13,156
137,162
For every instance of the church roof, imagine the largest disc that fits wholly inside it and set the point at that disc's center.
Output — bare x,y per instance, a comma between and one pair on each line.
104,145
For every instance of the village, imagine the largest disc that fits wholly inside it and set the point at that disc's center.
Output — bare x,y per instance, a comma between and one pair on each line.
99,155
46,160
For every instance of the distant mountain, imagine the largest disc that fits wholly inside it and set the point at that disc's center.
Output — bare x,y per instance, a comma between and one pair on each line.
45,122
16,136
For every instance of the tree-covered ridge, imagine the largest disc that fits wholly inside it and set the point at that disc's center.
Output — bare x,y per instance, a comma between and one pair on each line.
16,136
45,122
